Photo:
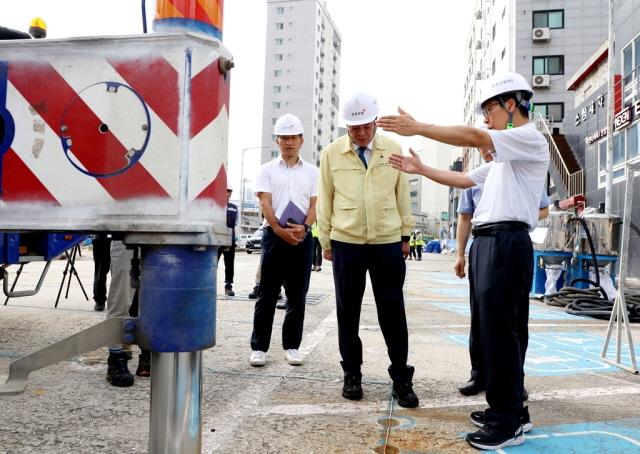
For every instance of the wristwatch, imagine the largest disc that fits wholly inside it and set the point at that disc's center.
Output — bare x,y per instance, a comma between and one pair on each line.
307,227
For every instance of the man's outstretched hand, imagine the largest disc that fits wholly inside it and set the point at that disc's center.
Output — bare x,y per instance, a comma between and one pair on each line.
403,124
407,164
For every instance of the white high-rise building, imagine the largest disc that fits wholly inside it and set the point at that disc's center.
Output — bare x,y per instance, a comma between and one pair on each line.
302,74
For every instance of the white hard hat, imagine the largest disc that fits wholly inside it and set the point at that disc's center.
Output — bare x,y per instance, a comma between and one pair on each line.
501,84
288,125
229,186
359,109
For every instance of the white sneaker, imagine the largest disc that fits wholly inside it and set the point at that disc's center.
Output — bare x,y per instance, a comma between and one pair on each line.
258,358
294,357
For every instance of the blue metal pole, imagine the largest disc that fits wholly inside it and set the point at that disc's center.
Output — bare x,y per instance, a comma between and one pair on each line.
177,320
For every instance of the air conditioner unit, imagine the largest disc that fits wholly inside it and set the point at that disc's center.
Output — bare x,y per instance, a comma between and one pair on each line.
541,81
541,34
479,44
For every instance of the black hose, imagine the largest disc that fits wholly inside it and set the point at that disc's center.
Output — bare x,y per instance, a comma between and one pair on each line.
144,17
592,248
593,302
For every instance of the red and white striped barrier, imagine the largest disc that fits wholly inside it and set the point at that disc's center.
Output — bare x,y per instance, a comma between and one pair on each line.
114,134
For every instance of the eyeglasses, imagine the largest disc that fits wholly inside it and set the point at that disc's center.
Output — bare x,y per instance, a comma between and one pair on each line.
487,109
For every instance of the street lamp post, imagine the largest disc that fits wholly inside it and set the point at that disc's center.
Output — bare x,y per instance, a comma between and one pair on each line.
242,179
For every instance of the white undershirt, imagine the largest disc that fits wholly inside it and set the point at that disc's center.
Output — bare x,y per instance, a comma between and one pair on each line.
367,152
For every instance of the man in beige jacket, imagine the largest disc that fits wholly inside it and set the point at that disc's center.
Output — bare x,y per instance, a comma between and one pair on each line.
364,218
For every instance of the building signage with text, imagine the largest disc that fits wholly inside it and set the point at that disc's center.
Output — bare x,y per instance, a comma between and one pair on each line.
602,132
598,102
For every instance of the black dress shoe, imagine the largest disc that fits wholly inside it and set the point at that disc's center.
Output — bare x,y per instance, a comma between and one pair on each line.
471,388
352,388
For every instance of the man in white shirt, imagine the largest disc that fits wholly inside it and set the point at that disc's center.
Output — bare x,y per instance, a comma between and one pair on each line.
288,190
501,252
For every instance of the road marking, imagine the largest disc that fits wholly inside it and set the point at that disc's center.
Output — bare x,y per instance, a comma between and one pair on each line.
342,408
226,420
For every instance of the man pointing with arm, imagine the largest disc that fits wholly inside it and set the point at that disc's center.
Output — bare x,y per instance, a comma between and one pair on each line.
501,253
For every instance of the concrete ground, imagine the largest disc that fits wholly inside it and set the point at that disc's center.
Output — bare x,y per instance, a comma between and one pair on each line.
577,402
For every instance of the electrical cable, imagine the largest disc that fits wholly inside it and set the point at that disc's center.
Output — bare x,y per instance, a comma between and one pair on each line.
144,17
593,302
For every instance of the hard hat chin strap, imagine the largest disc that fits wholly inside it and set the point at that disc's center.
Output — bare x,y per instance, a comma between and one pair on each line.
504,106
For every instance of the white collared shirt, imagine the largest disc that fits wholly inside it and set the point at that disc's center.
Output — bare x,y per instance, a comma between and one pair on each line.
515,179
297,184
367,152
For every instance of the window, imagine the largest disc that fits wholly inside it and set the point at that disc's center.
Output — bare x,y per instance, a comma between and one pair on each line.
413,194
602,162
493,32
279,25
279,41
279,10
275,104
548,19
504,52
277,73
504,11
618,149
630,61
632,142
553,64
277,89
554,111
277,57
625,148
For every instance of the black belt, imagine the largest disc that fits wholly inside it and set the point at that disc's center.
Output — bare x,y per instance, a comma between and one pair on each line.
506,226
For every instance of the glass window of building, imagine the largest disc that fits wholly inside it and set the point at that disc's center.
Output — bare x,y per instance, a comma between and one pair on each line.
602,162
630,61
553,64
554,111
277,73
633,142
279,10
548,19
277,57
275,104
279,41
277,88
279,25
618,148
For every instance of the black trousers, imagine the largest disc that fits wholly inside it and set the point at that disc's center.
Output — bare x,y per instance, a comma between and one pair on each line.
317,252
500,278
229,253
419,251
282,264
101,266
386,266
